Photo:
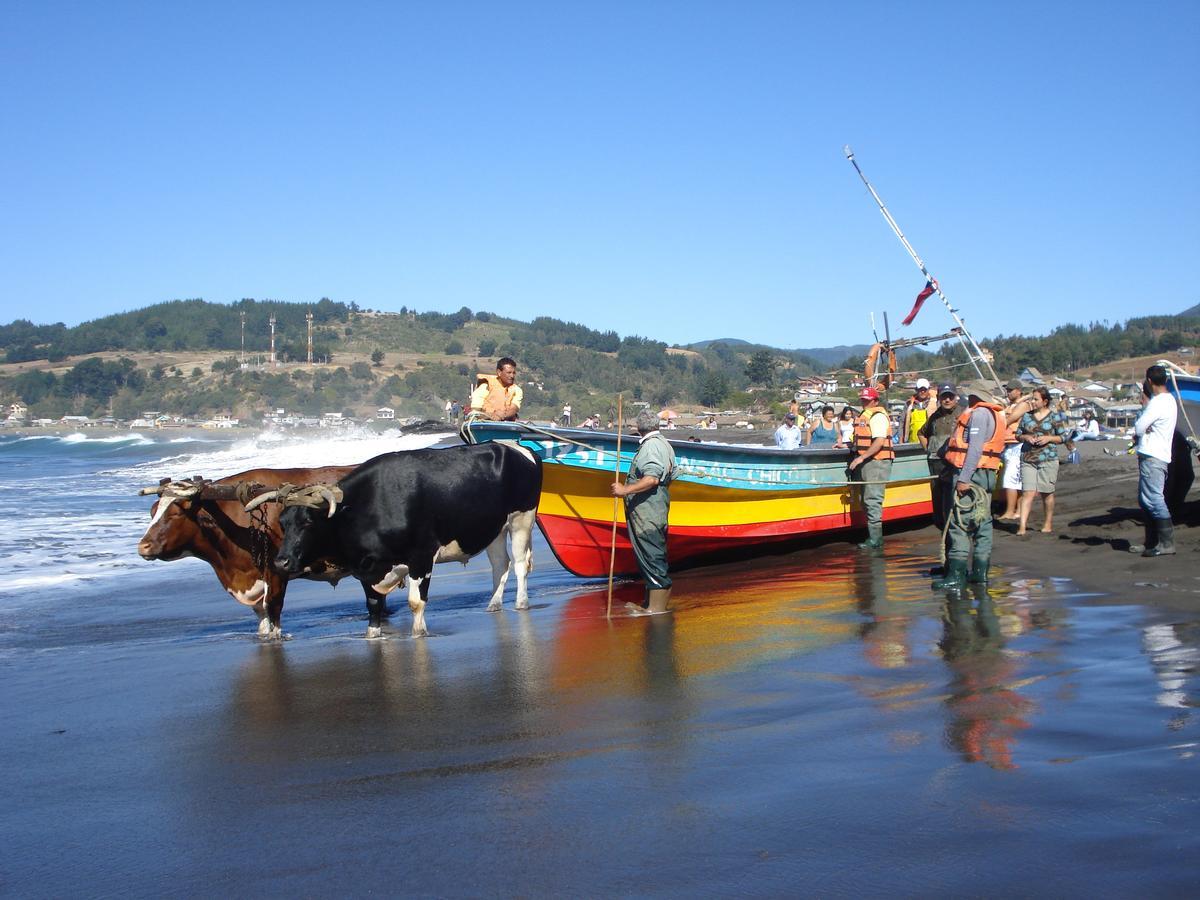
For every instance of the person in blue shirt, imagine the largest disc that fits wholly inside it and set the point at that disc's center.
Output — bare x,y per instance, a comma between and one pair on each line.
788,435
824,431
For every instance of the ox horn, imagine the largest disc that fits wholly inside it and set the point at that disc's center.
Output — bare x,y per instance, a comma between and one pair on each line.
186,489
158,489
260,500
331,497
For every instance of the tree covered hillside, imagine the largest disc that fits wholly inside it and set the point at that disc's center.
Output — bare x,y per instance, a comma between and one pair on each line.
185,358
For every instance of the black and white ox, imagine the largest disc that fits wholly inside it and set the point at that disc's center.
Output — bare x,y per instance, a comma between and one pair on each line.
398,514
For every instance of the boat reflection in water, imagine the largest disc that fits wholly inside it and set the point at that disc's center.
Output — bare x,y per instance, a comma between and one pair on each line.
830,626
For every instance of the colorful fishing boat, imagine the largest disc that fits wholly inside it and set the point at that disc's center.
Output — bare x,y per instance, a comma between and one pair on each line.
725,499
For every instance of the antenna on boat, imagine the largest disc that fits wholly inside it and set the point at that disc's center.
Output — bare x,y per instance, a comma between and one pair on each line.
974,353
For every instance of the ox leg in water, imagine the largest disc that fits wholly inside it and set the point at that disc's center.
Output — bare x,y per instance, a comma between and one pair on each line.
376,610
497,552
418,593
520,524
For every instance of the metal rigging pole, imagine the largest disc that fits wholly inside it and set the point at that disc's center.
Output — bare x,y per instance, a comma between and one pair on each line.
974,353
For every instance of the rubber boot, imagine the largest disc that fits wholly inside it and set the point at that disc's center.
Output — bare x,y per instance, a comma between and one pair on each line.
979,570
1150,539
1166,539
956,575
874,539
658,599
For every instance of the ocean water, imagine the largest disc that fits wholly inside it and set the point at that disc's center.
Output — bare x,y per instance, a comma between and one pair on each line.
812,723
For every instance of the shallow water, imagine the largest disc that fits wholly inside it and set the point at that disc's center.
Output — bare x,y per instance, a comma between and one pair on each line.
813,723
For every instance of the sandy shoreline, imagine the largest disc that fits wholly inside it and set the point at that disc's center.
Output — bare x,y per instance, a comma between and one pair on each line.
1096,519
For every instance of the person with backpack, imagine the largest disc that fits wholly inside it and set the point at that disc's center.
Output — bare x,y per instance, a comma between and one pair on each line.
647,506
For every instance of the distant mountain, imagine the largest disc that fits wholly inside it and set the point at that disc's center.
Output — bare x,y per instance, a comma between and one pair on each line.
832,356
824,356
729,342
1194,311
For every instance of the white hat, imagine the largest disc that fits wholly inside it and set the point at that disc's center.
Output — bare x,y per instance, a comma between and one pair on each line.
922,383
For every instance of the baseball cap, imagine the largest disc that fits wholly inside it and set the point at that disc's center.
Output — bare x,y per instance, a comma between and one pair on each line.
922,383
791,416
1014,386
868,393
946,389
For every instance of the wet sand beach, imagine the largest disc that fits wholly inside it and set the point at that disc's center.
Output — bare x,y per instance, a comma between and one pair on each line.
813,723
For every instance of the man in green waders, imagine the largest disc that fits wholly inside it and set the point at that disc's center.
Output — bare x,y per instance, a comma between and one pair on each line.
972,457
647,504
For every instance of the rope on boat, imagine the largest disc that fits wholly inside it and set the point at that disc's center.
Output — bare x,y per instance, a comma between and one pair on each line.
704,473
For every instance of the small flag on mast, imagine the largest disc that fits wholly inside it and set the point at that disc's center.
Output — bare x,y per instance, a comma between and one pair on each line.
930,286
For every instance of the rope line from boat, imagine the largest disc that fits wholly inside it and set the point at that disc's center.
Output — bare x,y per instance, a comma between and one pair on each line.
1195,442
704,473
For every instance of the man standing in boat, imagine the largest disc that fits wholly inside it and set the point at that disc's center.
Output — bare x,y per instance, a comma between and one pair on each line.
647,504
498,397
917,411
872,463
973,456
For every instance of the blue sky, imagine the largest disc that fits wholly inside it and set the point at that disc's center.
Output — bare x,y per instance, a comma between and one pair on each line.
667,169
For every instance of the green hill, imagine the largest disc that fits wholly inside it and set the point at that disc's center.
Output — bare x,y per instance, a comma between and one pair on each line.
195,358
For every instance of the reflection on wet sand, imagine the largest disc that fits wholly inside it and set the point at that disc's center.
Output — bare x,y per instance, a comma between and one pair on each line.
525,683
1174,651
985,710
727,620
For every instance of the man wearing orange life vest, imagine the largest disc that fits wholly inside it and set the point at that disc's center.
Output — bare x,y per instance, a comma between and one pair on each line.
872,463
973,454
498,397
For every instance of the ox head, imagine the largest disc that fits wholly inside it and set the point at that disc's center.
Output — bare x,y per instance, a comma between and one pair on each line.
306,523
179,520
172,530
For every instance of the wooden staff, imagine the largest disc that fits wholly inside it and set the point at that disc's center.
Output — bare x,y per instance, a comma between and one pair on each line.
612,549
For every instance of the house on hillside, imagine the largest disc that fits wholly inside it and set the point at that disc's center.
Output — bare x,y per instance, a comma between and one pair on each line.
1031,375
1099,389
815,386
1120,415
18,412
385,412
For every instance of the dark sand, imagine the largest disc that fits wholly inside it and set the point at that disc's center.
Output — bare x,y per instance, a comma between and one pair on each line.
815,723
1095,521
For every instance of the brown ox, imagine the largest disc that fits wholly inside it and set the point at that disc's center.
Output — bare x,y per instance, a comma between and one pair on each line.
208,520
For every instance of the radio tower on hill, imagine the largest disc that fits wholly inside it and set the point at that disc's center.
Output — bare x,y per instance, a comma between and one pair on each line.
274,363
308,316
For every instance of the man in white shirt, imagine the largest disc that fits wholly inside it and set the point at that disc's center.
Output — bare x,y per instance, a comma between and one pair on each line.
1154,431
787,435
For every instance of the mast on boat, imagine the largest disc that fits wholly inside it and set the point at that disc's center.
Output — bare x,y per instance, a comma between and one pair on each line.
975,354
